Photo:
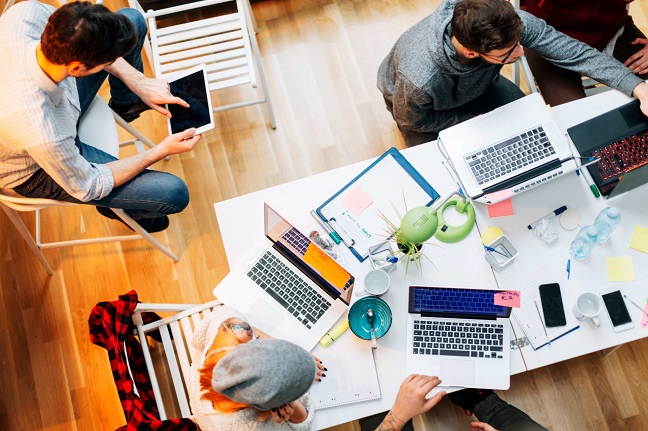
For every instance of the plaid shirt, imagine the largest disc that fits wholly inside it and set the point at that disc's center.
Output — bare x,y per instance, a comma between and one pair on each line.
111,327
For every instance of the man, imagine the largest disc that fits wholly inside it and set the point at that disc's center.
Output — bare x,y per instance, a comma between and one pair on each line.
602,24
445,69
52,68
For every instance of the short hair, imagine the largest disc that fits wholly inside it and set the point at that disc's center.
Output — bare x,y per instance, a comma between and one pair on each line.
485,25
88,33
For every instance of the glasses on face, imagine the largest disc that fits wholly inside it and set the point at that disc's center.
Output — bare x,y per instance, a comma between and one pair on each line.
506,57
240,327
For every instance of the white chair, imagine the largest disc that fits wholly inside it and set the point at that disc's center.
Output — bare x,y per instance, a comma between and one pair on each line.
176,333
97,127
226,43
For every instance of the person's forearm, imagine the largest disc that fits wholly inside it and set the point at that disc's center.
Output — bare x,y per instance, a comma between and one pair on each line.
299,414
125,72
391,423
124,170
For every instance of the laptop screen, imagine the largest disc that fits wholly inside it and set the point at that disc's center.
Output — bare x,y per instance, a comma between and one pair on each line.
455,302
307,256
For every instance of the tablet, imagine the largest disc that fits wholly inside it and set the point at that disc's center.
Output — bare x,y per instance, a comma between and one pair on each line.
191,86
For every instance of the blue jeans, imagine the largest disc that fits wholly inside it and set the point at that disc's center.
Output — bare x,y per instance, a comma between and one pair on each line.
150,193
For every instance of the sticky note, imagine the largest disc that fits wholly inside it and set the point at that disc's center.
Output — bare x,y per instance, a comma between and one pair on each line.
644,318
509,298
326,266
639,240
356,201
620,268
504,208
499,195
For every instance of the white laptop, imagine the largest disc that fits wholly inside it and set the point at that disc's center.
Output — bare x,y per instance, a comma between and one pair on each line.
287,286
460,335
509,150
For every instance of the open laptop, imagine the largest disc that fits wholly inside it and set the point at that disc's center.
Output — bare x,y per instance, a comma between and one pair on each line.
287,286
513,148
460,335
620,139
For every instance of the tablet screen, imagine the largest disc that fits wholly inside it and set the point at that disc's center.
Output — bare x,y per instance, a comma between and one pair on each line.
191,89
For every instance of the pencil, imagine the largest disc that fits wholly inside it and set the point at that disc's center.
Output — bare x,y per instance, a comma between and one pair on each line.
541,321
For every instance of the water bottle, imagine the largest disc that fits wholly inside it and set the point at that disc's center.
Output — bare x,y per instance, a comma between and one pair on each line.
582,245
606,221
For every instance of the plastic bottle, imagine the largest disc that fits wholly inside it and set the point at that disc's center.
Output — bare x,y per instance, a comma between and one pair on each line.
607,220
582,245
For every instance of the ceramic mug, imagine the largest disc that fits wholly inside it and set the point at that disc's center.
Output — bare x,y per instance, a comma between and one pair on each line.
376,283
587,308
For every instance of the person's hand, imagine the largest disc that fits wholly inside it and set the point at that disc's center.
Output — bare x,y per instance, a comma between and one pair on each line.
157,92
641,93
283,413
410,400
638,62
180,142
478,426
320,369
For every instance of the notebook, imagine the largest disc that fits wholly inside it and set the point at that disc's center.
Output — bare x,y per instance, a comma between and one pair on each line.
619,138
460,335
513,148
287,286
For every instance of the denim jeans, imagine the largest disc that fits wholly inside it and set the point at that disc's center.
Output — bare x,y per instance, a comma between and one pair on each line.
150,193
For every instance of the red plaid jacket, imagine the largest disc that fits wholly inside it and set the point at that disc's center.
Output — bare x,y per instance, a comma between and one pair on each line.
110,327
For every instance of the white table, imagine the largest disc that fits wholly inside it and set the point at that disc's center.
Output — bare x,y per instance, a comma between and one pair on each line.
461,264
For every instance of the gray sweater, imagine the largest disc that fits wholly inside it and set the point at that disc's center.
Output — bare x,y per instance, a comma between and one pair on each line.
425,84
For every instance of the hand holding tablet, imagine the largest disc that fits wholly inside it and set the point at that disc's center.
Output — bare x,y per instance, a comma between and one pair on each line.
191,86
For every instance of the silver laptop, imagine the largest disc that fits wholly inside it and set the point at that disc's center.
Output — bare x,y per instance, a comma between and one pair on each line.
287,286
509,150
460,335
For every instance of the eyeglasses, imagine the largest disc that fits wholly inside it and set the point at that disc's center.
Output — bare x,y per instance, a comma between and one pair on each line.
508,54
239,327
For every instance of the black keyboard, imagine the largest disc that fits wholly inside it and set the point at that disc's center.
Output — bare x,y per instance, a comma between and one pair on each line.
622,156
509,156
459,339
298,241
288,289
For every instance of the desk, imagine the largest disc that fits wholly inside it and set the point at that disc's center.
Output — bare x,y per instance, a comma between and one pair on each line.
241,223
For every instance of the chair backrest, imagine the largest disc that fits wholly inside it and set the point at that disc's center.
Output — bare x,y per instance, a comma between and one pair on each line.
176,333
221,42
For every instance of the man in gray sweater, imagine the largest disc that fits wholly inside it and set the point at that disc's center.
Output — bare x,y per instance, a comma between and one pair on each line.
446,69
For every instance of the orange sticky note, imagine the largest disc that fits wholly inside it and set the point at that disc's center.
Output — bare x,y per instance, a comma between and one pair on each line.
644,318
356,201
508,298
504,208
326,266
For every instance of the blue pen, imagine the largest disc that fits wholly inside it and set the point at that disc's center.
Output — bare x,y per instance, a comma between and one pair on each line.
491,249
568,268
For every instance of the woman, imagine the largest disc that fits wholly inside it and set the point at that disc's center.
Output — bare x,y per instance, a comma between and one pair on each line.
242,382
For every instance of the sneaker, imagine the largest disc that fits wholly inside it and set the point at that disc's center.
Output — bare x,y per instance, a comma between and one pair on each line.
151,225
129,112
467,399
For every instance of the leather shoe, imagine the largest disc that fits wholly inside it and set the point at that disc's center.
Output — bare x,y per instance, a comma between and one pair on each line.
151,225
129,112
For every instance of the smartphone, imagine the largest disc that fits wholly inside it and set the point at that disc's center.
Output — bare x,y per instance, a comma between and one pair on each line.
552,305
617,309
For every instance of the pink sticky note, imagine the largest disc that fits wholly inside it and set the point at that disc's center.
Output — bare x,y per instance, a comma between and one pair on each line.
499,195
356,201
644,318
509,298
504,208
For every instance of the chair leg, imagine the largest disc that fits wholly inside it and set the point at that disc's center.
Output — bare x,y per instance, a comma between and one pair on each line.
264,84
24,232
140,230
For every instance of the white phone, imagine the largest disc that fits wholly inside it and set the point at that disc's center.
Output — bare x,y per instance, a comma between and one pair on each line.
616,309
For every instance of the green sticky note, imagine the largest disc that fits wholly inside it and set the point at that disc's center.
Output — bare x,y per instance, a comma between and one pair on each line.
639,240
620,268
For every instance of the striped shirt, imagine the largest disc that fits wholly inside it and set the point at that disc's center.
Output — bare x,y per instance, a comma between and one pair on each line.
38,118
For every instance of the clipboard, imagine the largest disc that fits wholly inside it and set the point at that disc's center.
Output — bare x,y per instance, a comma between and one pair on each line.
391,186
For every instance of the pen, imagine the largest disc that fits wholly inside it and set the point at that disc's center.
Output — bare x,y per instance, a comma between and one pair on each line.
334,236
491,249
588,178
551,215
634,303
568,268
543,325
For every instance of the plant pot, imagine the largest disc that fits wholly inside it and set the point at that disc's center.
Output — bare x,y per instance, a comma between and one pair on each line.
406,249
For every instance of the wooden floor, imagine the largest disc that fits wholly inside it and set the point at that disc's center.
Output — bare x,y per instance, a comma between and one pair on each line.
321,58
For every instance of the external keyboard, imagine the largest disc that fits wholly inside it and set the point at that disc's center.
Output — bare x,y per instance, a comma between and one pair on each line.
463,339
509,156
622,156
288,289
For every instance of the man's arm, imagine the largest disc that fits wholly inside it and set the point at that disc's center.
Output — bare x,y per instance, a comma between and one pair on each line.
154,92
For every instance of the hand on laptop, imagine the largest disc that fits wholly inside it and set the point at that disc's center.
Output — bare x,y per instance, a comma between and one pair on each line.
481,426
641,93
410,400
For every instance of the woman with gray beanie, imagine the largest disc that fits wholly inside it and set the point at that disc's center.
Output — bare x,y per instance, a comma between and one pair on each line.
239,382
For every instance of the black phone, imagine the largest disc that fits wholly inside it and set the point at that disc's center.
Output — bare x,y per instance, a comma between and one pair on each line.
552,305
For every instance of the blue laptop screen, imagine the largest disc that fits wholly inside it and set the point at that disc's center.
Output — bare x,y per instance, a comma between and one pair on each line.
455,302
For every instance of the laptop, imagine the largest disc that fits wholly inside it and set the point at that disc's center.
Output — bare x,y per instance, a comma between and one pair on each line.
287,286
509,150
460,335
619,138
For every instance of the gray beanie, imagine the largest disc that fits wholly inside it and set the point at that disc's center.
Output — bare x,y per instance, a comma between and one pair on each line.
264,373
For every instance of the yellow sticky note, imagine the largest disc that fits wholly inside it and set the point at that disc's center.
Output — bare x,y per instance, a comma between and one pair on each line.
620,268
639,240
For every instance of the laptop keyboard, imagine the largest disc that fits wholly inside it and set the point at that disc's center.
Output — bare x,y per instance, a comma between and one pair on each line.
298,241
462,339
622,156
509,156
289,289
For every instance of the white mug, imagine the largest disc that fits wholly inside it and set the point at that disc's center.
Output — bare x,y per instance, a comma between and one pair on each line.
587,308
376,283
